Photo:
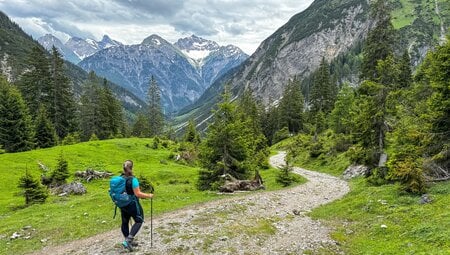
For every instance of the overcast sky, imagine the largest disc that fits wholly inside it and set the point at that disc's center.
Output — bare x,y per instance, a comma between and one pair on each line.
244,23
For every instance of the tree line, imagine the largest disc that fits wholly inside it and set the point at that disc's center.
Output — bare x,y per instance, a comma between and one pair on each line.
40,110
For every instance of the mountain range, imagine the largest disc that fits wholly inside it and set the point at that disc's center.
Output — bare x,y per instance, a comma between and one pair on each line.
77,49
183,70
330,29
15,47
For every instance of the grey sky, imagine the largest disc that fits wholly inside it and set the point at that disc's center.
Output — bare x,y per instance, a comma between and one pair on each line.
245,23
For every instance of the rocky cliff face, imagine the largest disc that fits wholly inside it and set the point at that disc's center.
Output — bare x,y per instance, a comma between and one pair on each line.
296,50
183,70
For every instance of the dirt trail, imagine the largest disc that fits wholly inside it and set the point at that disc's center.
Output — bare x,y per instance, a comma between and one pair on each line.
259,223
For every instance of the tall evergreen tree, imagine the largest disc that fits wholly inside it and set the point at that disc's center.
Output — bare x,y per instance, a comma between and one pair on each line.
140,127
291,107
379,42
342,116
16,131
270,123
45,132
155,114
111,113
90,109
35,84
323,91
226,148
62,105
405,74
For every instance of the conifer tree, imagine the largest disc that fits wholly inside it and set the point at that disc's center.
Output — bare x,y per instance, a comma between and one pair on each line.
291,107
141,126
45,132
341,117
61,173
379,42
226,149
111,113
90,109
405,74
62,106
270,123
323,90
156,117
16,131
32,190
35,84
191,135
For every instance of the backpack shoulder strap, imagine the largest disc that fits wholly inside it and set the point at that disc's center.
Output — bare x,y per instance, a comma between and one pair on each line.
128,185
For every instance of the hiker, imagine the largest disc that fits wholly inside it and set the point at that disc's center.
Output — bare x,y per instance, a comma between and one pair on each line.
134,209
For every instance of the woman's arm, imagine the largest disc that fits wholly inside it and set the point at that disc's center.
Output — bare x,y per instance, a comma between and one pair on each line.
139,194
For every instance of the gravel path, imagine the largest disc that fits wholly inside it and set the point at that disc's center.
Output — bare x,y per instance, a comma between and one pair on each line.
259,223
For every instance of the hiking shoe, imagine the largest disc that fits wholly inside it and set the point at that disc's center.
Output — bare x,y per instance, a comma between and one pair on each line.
133,243
127,245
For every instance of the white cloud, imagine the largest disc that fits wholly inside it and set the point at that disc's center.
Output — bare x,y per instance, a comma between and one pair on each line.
242,23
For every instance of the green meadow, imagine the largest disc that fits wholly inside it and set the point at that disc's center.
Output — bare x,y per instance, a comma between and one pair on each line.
62,219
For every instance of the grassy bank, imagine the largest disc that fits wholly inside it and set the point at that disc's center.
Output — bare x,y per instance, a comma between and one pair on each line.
62,219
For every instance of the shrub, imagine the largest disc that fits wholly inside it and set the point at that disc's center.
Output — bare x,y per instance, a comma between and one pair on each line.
285,176
281,135
410,175
145,185
32,190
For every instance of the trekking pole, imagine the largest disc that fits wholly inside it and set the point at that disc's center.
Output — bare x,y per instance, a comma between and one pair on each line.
151,222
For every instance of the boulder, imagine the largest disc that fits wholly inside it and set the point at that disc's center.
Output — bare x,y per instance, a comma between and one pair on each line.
355,171
74,188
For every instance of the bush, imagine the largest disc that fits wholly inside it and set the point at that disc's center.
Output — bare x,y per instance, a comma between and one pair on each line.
410,175
342,143
285,176
316,149
61,173
32,190
156,142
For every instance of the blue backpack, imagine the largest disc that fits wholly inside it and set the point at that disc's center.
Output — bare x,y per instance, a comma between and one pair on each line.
121,192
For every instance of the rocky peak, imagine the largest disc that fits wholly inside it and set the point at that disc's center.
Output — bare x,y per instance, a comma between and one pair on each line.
195,43
154,40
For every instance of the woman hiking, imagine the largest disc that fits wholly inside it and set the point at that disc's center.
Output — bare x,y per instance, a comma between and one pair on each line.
134,209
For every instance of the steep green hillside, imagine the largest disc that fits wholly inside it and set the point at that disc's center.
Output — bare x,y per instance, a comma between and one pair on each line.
16,45
62,219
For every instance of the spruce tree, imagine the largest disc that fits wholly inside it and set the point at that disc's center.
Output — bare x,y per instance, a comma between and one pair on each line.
45,132
191,135
16,131
62,106
341,118
155,114
90,109
226,148
323,91
32,190
111,113
271,123
141,126
379,42
35,84
291,107
405,73
61,173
